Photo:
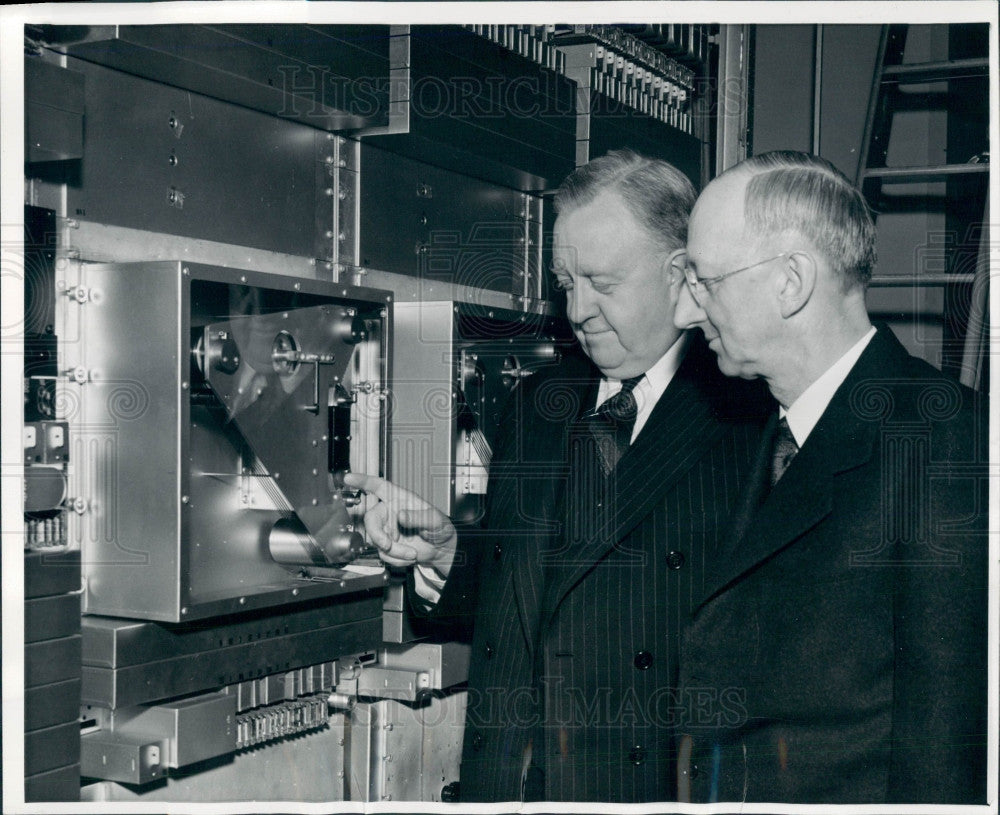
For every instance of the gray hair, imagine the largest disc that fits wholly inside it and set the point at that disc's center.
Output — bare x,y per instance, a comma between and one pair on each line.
807,194
658,195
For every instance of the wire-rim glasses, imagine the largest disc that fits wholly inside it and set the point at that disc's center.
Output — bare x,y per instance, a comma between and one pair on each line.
700,286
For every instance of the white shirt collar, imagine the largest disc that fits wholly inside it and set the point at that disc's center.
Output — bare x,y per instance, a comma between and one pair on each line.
652,385
805,412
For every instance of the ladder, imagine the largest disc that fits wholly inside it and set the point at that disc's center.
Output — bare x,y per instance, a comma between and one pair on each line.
965,273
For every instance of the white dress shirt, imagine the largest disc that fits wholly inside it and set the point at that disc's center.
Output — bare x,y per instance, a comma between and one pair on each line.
805,412
650,388
429,582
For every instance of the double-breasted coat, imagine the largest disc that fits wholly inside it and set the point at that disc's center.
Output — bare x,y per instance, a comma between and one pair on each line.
580,593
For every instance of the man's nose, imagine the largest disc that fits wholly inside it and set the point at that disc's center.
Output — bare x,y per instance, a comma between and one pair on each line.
580,305
687,312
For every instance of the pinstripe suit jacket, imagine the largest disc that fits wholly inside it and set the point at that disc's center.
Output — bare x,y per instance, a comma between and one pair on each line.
578,622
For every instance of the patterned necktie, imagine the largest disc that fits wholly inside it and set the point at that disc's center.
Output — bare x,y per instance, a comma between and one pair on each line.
785,449
612,423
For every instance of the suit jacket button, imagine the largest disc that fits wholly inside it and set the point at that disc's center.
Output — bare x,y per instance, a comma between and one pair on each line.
497,552
643,660
637,755
675,560
489,651
694,772
477,741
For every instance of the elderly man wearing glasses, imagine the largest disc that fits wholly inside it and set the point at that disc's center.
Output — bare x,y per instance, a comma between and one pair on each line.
848,605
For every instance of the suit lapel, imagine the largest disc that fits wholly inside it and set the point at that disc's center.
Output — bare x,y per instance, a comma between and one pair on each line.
754,493
681,429
550,436
841,440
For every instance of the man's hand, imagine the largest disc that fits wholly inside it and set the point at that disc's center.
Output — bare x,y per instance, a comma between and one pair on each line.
404,527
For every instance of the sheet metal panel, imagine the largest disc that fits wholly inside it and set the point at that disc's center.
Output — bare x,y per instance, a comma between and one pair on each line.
479,109
320,75
437,225
53,107
47,618
237,176
214,669
62,784
51,661
49,573
306,768
109,642
164,532
51,747
50,705
613,126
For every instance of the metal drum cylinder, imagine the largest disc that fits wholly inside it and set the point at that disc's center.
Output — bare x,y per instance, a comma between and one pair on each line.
290,543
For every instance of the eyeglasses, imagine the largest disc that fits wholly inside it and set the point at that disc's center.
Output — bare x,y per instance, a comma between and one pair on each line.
700,286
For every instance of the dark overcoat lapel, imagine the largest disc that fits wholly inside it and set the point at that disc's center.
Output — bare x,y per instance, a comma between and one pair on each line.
842,440
848,614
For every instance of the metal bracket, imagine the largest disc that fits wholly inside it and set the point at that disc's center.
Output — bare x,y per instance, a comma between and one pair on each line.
79,293
127,759
408,673
79,374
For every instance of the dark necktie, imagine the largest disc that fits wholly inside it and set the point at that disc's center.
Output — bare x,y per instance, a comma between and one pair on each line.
612,423
785,449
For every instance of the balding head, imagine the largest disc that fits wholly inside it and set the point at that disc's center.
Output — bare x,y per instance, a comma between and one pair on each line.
789,191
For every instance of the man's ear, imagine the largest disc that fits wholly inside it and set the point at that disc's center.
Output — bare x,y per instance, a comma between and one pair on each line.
797,282
673,266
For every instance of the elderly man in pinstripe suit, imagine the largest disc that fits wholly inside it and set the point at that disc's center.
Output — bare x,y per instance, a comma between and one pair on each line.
612,480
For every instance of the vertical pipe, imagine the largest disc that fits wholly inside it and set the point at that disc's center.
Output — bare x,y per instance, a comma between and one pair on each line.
733,99
976,327
817,89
